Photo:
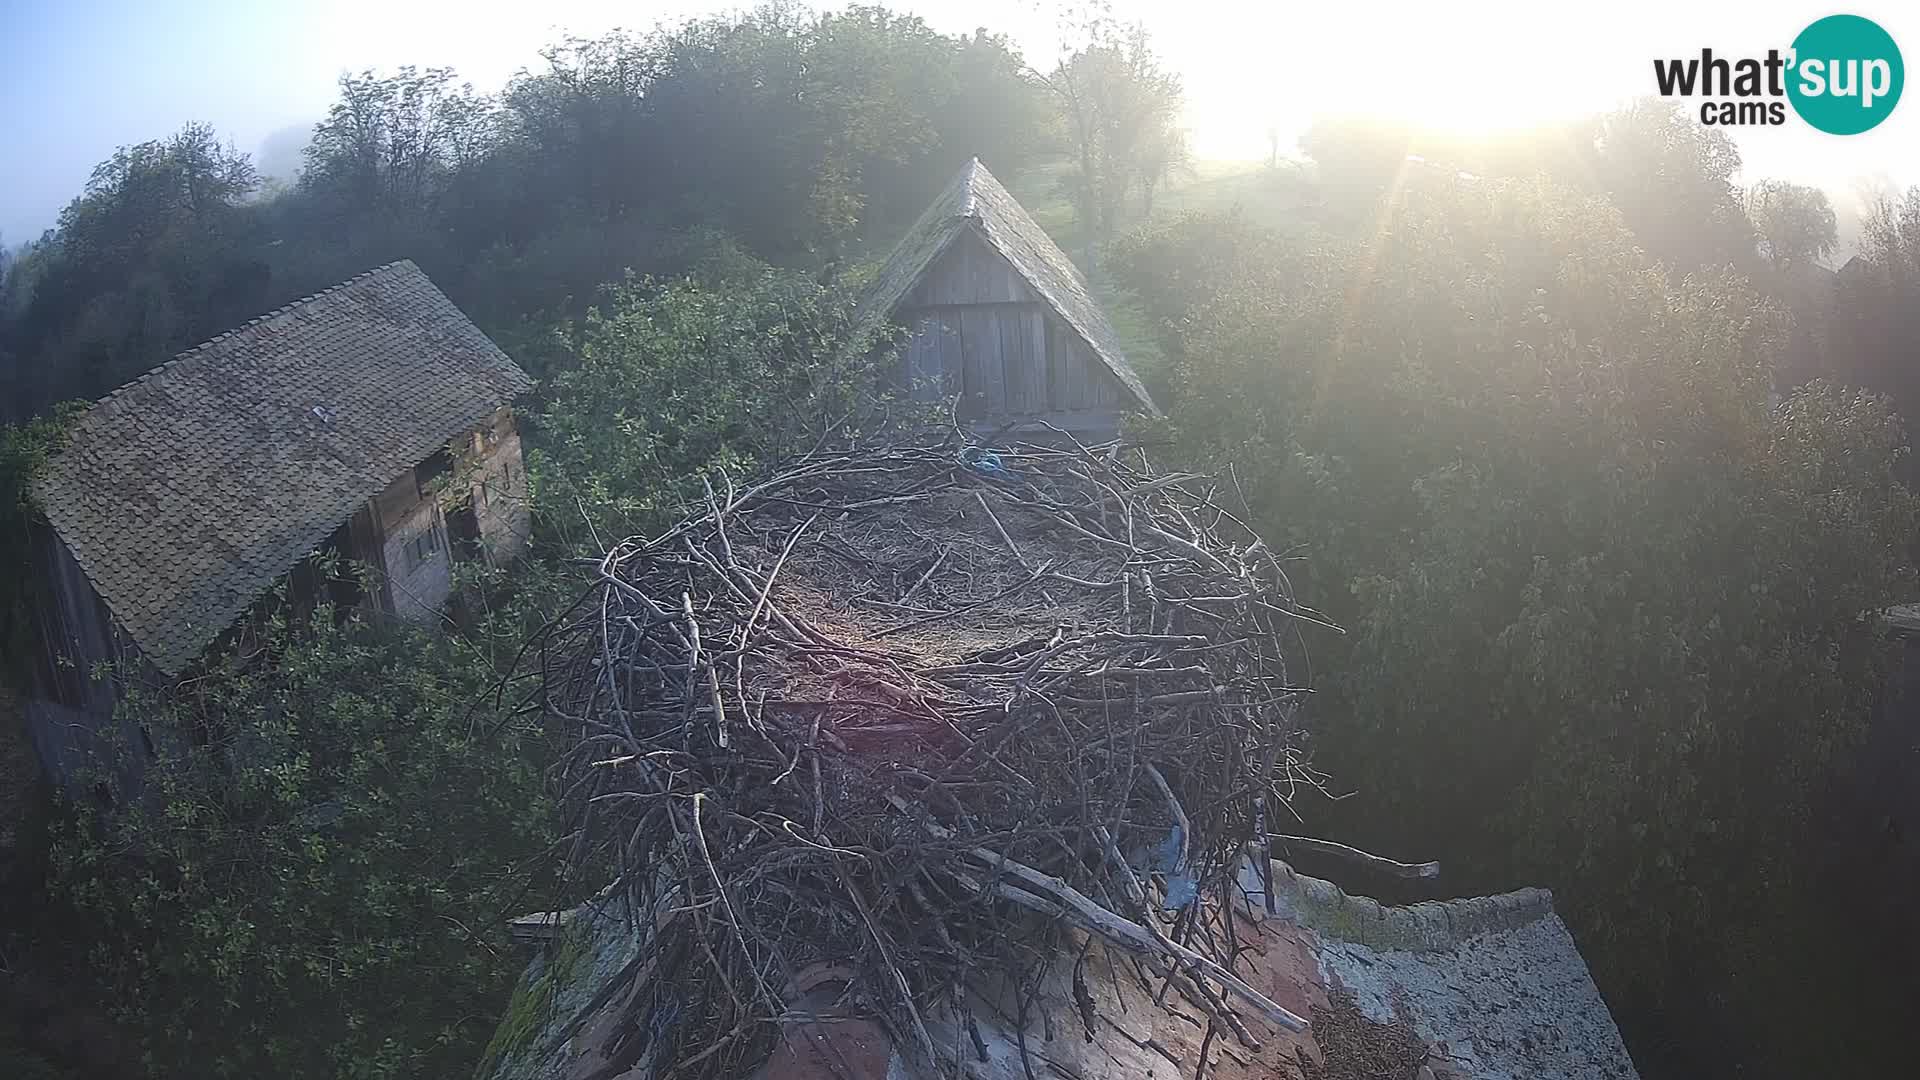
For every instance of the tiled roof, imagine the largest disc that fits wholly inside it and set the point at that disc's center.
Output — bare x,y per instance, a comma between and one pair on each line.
977,201
1489,988
187,492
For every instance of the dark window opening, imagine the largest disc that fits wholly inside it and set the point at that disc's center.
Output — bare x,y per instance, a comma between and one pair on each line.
463,527
423,546
427,474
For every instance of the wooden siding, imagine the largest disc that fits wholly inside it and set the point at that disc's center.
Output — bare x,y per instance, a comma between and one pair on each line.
501,512
415,587
69,712
978,331
969,272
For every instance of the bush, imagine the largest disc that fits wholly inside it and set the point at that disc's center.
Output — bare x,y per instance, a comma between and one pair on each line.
316,881
1611,608
666,379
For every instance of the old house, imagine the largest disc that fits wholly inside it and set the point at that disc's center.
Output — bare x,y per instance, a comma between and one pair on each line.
371,420
1000,321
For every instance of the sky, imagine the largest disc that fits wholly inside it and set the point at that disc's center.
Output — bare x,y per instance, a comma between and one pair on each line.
79,78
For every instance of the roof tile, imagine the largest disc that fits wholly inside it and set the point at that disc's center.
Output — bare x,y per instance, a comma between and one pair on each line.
183,492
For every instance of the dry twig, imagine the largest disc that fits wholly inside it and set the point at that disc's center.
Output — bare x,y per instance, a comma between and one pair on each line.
969,782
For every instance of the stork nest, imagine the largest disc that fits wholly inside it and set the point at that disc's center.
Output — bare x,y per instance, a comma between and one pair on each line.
904,717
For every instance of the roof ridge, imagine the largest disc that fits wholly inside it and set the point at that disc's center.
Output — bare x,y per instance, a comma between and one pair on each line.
970,197
188,354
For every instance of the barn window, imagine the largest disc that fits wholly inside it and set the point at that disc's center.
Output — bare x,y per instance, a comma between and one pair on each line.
423,546
428,472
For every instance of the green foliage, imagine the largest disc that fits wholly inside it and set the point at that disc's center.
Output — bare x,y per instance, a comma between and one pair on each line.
1869,319
1120,109
1795,223
153,255
532,1006
315,881
391,145
23,449
1609,610
791,132
1667,176
1184,263
666,380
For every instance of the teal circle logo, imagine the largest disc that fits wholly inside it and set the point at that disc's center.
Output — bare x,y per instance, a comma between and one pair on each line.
1847,74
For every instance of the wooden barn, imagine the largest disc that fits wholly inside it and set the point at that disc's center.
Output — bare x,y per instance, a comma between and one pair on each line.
371,420
1001,323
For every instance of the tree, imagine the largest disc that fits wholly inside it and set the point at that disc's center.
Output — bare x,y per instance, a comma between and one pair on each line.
665,380
787,132
317,881
1605,603
1671,179
391,144
1120,109
1874,310
1891,236
1795,223
153,256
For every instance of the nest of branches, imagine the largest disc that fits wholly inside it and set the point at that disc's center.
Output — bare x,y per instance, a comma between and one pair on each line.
894,721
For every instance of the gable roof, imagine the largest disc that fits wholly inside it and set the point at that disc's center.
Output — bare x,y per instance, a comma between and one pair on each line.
1488,988
977,201
186,493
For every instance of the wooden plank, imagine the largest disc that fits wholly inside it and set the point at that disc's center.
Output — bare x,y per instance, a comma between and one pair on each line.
969,272
1012,350
985,373
992,277
1026,378
1087,423
1036,357
920,359
1005,285
951,361
1067,377
1100,378
930,359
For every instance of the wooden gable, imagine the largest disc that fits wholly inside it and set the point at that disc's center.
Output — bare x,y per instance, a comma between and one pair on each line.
979,331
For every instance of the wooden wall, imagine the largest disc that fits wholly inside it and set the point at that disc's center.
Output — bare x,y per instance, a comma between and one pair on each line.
414,553
476,508
498,487
70,712
979,332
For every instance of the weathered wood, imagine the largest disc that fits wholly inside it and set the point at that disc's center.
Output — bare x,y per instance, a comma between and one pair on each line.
932,357
983,366
1066,368
969,273
1026,380
981,333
